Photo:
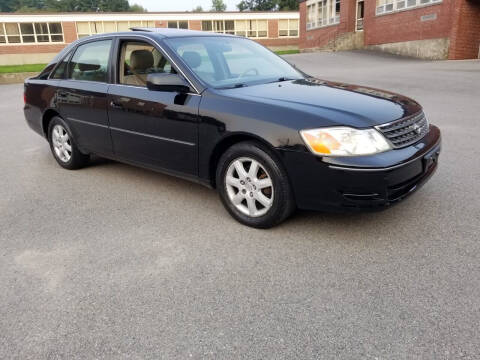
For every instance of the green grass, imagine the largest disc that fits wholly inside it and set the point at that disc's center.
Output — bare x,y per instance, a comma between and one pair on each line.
287,52
5,69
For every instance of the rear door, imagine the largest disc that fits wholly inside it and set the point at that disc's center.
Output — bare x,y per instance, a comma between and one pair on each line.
155,128
82,95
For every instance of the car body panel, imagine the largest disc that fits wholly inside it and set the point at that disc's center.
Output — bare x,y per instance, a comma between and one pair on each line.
326,103
155,127
83,106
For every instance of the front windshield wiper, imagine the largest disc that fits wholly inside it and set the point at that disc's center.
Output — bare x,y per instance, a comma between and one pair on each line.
234,86
281,79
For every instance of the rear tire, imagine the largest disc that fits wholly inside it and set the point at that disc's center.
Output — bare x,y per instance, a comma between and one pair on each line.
63,146
253,185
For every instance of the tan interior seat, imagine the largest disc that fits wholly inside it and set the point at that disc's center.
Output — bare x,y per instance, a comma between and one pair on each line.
140,62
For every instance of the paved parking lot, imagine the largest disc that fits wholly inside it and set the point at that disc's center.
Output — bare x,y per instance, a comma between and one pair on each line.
113,261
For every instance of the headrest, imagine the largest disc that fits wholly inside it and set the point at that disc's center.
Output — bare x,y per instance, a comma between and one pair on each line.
141,60
192,58
89,65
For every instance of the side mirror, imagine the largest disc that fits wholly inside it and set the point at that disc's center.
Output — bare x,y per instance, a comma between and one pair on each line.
167,82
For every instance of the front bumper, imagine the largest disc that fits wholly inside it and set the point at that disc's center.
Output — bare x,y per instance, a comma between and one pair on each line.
364,182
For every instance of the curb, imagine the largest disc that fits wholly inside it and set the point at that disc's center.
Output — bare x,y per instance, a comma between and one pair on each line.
15,78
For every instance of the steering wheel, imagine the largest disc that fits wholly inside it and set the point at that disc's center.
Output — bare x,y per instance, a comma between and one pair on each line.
247,71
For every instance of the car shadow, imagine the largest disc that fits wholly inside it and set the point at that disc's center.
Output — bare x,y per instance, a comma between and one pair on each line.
201,195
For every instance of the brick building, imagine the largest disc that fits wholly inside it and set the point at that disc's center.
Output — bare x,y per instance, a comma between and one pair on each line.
36,38
431,29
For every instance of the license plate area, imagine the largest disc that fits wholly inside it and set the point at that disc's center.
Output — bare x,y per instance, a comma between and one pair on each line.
431,159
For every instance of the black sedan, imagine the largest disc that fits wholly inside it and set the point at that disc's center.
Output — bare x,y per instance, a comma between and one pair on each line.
228,113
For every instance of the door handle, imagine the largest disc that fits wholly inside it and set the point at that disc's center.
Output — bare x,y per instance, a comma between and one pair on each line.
116,105
62,94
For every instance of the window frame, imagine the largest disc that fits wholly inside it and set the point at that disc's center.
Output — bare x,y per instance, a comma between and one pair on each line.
72,52
288,28
67,57
82,35
115,61
116,53
34,34
178,24
329,13
405,7
236,30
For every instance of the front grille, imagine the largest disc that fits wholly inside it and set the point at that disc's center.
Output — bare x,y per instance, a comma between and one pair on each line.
405,131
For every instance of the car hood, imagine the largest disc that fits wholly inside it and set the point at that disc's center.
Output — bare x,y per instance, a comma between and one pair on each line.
326,103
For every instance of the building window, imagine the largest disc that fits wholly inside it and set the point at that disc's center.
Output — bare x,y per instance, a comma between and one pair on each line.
30,33
288,27
255,28
87,28
175,24
360,14
247,28
388,6
322,13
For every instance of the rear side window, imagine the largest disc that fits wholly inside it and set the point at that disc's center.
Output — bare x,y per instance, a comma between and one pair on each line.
61,69
90,62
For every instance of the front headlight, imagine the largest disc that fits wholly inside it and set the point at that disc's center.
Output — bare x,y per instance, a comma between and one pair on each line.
344,141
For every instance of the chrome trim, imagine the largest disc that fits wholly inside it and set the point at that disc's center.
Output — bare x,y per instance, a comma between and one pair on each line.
143,87
133,132
153,136
401,119
87,122
417,117
136,35
167,55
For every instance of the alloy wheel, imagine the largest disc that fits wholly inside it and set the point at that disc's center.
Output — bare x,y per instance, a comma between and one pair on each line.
61,143
249,187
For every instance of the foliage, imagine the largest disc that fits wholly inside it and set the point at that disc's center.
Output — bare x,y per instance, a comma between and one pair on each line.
68,5
267,5
4,69
287,52
218,5
198,9
287,5
257,5
137,8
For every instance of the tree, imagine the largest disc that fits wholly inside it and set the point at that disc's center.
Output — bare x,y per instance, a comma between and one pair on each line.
257,5
287,5
137,8
8,5
198,9
218,5
68,5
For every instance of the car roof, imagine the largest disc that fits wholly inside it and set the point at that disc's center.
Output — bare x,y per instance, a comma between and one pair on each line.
168,32
162,33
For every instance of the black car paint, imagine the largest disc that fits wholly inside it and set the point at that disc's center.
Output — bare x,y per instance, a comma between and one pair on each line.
183,134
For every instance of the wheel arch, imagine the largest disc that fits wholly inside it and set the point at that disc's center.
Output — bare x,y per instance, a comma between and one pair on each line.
48,115
227,142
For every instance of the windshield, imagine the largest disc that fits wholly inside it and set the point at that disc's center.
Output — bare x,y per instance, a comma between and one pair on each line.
225,62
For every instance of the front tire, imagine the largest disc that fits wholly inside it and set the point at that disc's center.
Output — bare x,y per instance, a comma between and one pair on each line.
63,146
253,185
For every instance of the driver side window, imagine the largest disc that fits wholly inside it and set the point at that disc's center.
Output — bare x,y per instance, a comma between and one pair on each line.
137,60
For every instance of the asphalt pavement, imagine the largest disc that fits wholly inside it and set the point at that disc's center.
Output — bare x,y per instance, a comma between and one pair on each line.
114,261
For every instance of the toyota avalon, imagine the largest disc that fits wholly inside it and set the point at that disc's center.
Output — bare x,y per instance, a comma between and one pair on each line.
226,112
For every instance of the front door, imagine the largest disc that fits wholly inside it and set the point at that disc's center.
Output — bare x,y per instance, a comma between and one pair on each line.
82,96
154,128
